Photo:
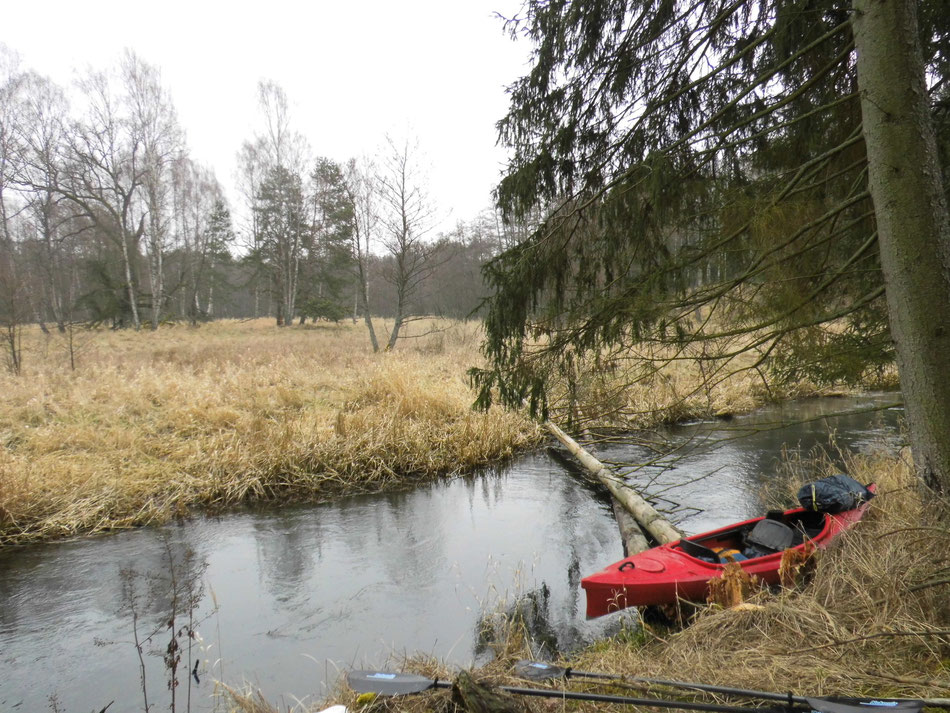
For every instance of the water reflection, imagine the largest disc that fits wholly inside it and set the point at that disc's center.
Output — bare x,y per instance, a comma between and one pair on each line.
303,592
726,467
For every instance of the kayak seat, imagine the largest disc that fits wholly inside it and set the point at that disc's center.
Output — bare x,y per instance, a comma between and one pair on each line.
768,537
694,549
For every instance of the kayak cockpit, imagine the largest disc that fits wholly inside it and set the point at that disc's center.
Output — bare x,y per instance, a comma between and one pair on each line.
682,570
765,536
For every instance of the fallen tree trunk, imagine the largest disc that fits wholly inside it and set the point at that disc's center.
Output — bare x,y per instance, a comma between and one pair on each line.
649,519
631,534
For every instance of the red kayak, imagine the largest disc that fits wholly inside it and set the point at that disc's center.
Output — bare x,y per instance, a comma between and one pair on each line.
682,569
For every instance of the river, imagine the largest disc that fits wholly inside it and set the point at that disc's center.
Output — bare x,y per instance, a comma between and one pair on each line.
290,597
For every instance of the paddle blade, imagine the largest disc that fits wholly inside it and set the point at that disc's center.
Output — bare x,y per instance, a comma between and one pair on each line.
537,671
335,709
857,705
388,684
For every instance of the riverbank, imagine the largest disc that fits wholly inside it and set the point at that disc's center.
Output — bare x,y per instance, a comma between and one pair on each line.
154,425
151,426
873,619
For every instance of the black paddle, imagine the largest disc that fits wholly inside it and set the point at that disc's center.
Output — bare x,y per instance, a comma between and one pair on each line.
385,683
538,671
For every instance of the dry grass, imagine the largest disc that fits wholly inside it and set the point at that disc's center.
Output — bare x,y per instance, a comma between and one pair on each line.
873,620
152,425
655,384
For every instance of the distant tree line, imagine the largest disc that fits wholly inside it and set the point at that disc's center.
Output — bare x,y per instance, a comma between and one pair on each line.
105,218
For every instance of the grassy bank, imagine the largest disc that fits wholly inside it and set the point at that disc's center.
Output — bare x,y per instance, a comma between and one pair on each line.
150,426
655,384
873,619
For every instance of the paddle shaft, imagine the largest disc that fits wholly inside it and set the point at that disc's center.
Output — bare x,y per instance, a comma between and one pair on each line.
623,700
787,698
726,690
396,684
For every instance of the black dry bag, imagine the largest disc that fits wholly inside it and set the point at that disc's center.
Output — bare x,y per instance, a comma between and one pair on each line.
835,493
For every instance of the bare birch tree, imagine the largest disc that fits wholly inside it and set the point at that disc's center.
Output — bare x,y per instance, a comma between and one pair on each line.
273,165
196,198
88,201
154,121
105,175
44,112
408,219
361,188
250,174
11,292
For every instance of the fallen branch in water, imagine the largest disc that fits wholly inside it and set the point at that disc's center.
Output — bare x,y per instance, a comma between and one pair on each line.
649,519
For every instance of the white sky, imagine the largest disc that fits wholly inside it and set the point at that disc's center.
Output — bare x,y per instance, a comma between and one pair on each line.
432,69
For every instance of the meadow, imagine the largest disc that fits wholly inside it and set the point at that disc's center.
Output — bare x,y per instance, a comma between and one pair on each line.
152,426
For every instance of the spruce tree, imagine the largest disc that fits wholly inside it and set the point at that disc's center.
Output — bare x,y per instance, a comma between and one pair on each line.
702,169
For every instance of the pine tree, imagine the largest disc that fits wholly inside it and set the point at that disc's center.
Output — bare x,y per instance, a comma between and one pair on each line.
329,263
283,228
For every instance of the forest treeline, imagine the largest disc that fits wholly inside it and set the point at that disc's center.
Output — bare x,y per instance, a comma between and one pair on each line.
108,219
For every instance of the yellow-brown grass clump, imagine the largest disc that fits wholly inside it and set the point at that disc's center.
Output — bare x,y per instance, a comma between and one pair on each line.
151,425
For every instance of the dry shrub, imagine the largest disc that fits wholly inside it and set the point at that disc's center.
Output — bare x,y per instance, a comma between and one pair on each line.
733,587
796,565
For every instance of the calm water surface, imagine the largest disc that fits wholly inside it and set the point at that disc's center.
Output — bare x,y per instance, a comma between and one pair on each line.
306,592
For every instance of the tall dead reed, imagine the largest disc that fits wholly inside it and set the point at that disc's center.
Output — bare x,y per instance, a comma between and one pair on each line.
152,425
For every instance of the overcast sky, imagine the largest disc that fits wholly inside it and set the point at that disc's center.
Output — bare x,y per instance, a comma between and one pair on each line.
353,71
